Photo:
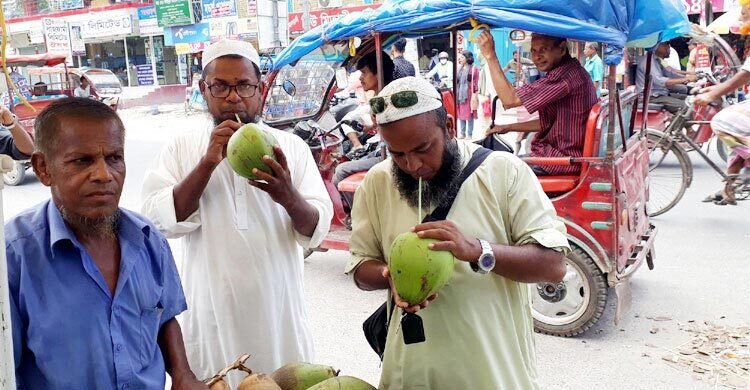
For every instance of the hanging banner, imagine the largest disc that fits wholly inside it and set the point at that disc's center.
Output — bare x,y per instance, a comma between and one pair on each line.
190,48
77,46
218,8
224,28
252,7
57,37
173,12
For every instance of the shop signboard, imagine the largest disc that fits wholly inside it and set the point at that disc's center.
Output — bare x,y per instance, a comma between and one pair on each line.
148,23
145,74
199,32
107,24
57,37
77,46
173,12
296,25
252,7
218,8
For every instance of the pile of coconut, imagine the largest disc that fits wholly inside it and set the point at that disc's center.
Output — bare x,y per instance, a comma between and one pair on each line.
296,376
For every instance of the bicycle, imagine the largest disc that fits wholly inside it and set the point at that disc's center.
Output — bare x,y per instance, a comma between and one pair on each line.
670,167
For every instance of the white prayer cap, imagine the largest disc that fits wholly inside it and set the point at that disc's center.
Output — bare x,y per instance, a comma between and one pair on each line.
225,47
428,99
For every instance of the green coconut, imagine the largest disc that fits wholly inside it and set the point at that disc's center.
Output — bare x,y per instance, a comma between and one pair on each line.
418,272
302,376
343,383
246,149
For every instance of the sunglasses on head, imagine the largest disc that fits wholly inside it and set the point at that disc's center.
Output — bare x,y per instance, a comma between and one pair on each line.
401,99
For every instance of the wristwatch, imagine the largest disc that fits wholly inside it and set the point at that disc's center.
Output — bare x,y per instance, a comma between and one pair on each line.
486,262
12,124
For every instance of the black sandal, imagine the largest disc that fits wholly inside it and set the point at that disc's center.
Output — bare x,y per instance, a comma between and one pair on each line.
725,201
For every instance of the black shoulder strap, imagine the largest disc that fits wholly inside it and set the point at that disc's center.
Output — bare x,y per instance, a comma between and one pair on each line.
477,158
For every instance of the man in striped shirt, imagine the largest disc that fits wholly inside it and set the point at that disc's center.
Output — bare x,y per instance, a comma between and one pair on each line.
563,98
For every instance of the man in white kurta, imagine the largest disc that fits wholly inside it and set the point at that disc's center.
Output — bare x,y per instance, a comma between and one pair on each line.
241,265
479,329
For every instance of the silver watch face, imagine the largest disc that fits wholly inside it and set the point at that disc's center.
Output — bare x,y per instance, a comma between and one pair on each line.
487,262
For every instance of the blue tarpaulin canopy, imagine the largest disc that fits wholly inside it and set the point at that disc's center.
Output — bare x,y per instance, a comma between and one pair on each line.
617,23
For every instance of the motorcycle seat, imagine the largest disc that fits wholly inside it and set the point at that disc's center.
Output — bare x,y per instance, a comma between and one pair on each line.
351,183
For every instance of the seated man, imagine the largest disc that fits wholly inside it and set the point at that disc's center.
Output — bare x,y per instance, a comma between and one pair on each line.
40,89
368,66
14,140
563,98
500,214
667,85
94,290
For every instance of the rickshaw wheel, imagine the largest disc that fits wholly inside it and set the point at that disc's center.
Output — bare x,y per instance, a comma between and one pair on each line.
16,175
670,173
574,305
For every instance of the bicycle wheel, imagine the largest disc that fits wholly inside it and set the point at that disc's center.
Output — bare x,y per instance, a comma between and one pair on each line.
670,173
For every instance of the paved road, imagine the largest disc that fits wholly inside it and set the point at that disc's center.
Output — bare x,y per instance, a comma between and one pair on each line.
702,268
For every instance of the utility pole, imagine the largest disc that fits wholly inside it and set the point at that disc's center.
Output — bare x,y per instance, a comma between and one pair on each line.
275,18
306,15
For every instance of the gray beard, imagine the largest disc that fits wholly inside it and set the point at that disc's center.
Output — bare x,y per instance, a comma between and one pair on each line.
436,191
97,228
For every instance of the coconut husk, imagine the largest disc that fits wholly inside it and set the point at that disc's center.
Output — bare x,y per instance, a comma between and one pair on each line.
716,354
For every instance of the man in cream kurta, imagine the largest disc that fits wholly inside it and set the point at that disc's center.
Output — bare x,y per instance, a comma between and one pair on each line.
479,329
241,265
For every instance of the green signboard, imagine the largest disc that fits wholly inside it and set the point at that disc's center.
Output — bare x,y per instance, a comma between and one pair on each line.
173,12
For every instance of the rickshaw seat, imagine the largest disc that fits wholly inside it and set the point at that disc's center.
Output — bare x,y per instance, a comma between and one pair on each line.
351,183
558,183
655,107
565,183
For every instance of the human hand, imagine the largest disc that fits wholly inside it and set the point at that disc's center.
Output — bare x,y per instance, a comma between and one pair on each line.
188,382
6,117
704,99
487,45
498,129
450,239
406,306
279,184
691,77
217,145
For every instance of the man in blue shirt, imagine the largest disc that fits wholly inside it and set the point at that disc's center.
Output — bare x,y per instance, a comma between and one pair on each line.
93,288
594,66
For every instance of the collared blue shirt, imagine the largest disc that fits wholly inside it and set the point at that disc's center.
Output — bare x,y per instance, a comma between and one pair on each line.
69,332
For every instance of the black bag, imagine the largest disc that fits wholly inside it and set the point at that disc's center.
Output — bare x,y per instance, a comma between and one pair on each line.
375,326
494,141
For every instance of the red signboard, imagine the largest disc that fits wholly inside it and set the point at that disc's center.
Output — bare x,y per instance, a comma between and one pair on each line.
296,24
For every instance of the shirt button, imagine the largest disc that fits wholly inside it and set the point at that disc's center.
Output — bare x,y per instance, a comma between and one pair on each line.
118,347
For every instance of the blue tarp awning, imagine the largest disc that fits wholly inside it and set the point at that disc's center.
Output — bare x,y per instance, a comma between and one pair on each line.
617,23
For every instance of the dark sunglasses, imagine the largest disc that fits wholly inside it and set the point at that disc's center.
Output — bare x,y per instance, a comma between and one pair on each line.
401,99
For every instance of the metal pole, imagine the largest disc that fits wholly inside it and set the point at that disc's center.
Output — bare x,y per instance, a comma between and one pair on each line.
646,92
7,363
612,85
379,59
153,61
455,74
127,59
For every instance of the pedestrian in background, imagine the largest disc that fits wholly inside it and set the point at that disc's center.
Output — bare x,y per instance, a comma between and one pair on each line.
468,98
594,66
